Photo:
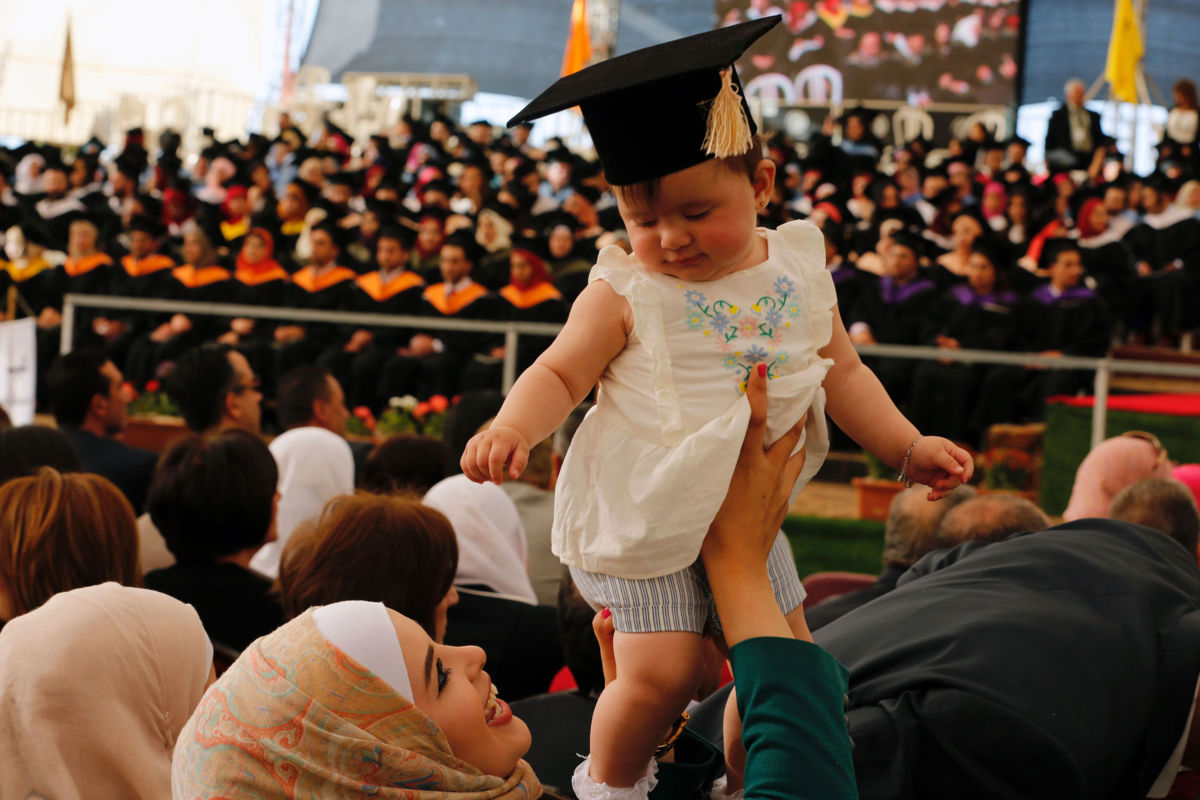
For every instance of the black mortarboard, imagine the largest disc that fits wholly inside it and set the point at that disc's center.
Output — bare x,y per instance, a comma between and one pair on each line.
906,237
146,224
663,108
311,192
993,250
405,235
1025,143
336,232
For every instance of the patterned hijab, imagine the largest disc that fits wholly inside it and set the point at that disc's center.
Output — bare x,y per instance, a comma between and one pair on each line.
295,717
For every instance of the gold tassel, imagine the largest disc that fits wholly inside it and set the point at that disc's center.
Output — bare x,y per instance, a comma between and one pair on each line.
727,132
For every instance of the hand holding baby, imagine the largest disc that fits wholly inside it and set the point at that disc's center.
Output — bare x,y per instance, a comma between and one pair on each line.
487,453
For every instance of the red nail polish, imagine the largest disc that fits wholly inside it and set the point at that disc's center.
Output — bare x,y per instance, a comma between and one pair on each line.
605,614
762,370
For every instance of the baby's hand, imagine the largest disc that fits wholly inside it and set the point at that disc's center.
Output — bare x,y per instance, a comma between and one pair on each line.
939,464
487,453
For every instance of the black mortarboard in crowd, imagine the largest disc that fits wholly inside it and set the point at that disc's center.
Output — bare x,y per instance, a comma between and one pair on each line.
405,235
906,237
1053,248
336,232
146,224
664,108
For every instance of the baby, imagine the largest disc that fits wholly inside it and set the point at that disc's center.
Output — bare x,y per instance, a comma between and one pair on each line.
671,334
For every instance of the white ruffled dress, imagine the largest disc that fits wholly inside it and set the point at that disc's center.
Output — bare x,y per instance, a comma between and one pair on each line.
650,464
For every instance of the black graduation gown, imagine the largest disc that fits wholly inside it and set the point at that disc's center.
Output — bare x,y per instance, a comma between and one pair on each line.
896,315
441,373
308,290
543,303
204,285
1056,664
1075,323
260,287
148,278
1172,249
359,372
944,394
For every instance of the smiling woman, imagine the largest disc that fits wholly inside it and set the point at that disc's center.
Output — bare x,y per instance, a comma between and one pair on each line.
352,700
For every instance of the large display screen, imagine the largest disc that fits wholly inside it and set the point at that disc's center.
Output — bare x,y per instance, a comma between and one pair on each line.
919,52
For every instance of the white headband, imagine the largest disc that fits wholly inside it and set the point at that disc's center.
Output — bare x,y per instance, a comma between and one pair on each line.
364,631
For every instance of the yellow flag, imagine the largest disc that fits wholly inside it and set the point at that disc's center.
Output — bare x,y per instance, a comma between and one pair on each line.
66,82
579,43
1124,52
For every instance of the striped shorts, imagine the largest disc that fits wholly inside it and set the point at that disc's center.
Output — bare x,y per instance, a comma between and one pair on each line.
680,601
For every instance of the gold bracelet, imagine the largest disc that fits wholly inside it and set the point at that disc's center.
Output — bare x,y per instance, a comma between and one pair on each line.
903,476
672,735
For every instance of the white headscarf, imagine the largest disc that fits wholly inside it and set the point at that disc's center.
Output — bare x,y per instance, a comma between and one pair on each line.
491,539
95,687
315,466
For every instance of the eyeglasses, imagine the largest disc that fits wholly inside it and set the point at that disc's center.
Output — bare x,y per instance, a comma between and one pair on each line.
1160,452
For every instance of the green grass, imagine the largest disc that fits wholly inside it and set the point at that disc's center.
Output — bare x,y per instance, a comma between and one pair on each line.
848,545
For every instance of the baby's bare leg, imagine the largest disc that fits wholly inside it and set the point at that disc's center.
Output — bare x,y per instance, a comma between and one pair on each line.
657,674
735,751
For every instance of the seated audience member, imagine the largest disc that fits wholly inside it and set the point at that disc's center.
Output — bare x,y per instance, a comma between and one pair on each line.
404,463
910,533
390,550
25,448
310,396
315,466
95,687
1111,466
213,501
989,697
989,518
214,388
1163,504
497,607
419,721
90,407
61,532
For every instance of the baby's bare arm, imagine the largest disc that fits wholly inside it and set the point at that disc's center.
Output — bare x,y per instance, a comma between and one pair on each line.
860,405
595,332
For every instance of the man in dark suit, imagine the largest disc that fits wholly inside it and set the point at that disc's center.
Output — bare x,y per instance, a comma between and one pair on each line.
1073,133
910,533
1053,664
88,400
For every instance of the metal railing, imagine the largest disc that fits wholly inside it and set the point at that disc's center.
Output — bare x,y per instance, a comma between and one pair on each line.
1104,368
511,330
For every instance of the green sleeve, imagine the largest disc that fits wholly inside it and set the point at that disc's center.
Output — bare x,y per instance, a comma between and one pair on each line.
791,696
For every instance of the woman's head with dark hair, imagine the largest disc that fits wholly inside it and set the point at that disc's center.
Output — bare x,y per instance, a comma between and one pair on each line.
61,532
381,548
25,448
214,496
405,463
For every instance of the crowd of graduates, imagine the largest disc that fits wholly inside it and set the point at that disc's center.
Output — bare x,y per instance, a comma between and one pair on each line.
960,247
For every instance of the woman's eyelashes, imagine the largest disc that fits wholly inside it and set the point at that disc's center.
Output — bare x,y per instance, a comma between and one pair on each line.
443,676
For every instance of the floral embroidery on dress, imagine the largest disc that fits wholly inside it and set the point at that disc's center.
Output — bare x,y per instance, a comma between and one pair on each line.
747,337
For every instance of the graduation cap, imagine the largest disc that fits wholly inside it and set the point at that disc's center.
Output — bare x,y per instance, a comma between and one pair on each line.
352,180
311,193
906,237
664,108
403,234
92,146
146,224
548,221
465,238
336,232
530,244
